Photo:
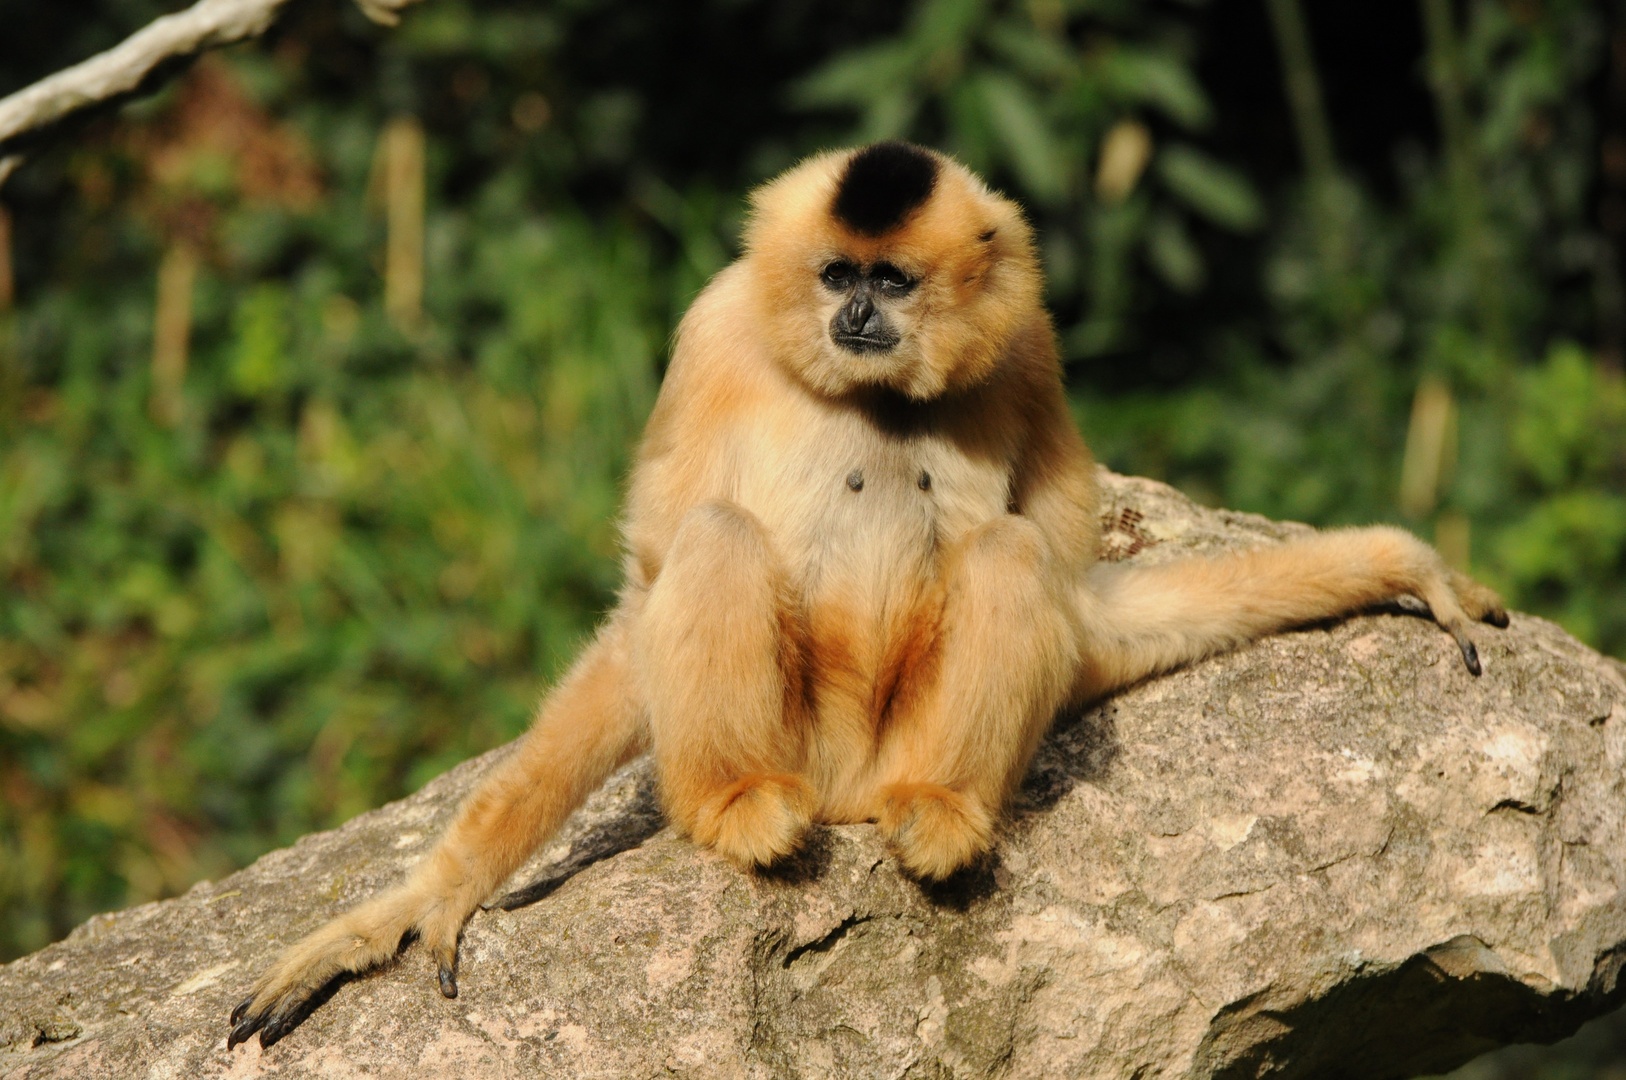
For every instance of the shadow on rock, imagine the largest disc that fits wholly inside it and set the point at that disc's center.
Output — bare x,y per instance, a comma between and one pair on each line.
965,888
1081,747
1428,1014
624,832
803,866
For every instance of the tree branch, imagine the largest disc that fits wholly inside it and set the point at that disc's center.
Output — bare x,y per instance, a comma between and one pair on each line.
124,69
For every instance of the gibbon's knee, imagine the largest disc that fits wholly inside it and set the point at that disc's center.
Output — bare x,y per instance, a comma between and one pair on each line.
1010,544
711,646
718,586
1004,595
1009,652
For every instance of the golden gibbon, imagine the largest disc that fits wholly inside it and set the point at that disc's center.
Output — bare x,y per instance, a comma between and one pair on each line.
860,566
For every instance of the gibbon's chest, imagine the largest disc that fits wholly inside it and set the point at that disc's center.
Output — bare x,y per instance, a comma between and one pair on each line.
861,511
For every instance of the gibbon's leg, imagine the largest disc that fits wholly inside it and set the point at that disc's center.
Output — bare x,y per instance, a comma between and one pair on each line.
1008,650
715,654
1142,620
587,727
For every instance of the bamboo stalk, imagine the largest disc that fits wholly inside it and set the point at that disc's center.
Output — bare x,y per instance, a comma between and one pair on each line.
172,332
1303,87
1124,154
1301,82
402,146
1431,447
1453,540
1447,83
1445,80
8,278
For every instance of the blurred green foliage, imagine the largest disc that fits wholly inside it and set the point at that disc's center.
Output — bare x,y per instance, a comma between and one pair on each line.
352,547
359,548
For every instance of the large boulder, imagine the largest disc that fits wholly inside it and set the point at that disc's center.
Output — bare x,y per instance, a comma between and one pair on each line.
1334,852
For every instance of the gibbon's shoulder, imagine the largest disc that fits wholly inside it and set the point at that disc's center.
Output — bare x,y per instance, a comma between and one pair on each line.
720,339
719,368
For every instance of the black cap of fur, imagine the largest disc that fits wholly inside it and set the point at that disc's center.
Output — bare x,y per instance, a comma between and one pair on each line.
883,182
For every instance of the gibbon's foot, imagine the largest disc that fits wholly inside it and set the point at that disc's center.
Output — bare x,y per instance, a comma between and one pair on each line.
1455,600
935,829
758,819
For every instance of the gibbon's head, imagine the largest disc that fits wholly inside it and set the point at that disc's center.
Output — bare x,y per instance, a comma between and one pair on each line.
890,265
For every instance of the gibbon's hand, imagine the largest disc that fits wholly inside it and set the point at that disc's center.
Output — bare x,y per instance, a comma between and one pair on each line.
357,941
1475,603
587,728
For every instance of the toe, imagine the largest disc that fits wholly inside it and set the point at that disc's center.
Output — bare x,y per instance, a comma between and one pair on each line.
242,1007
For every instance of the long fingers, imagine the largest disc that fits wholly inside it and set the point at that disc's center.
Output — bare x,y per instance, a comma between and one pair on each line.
276,1009
272,1018
1458,601
272,1021
1478,601
354,942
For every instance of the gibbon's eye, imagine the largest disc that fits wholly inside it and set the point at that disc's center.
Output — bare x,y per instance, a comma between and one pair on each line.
839,275
891,278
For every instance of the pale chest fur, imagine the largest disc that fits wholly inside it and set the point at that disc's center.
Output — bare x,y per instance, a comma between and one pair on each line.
862,509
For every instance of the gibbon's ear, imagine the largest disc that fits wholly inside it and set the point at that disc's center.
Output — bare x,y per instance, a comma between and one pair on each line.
882,184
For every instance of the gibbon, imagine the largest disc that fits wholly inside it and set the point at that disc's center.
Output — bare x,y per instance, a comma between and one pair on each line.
860,571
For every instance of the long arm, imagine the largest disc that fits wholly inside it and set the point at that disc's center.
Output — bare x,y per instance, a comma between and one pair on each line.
1054,479
1139,621
587,727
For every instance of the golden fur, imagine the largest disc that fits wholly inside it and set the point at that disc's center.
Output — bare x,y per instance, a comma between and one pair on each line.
858,585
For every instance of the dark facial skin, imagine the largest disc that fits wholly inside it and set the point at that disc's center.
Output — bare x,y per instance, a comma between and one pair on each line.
861,324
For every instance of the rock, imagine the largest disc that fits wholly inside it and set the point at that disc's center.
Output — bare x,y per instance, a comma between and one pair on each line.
1331,853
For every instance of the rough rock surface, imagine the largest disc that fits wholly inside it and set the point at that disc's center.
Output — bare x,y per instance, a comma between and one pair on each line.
1332,853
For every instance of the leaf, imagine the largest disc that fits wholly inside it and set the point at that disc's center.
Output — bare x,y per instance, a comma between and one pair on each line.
939,26
1031,53
260,361
888,117
857,78
1172,254
1158,79
1217,192
1571,423
1032,148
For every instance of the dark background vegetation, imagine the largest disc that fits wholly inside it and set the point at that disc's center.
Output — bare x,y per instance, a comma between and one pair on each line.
333,537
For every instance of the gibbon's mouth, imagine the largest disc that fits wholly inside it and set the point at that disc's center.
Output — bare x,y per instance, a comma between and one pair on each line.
865,343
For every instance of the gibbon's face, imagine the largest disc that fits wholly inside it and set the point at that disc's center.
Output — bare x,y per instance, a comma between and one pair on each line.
890,266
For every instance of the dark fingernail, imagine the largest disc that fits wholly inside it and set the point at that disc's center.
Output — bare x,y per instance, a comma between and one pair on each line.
242,1032
1470,656
242,1007
448,981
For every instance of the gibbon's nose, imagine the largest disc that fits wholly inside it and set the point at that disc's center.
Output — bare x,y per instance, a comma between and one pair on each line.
856,315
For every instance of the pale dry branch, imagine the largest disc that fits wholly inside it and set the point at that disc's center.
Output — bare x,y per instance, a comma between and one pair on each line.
125,68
